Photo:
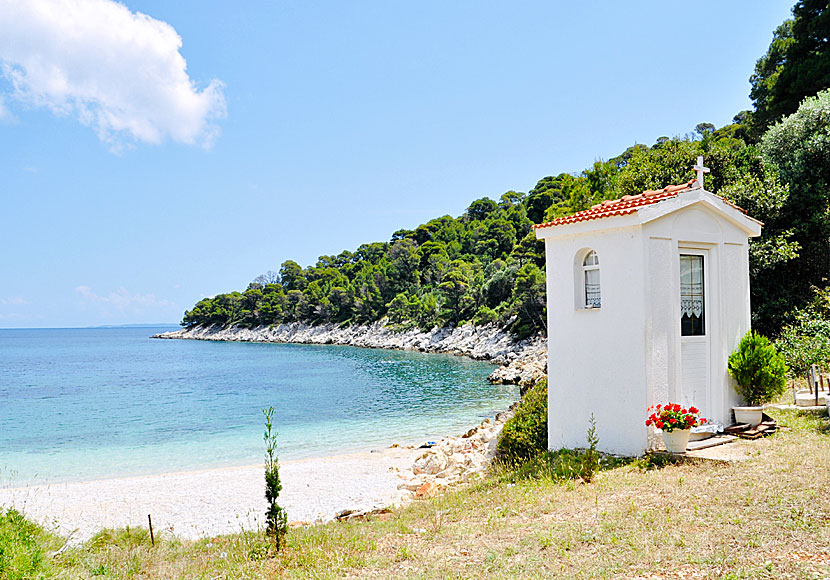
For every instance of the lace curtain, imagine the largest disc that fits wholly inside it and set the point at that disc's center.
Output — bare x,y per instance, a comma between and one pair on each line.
691,300
691,286
593,292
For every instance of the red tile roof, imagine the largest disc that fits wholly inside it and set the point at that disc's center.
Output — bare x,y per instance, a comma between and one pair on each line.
625,205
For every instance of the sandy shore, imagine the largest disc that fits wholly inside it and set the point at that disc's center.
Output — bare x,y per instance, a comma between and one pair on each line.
216,501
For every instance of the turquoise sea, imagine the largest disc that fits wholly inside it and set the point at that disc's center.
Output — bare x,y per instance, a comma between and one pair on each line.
79,404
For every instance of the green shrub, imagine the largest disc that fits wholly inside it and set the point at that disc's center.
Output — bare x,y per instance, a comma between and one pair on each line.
23,547
805,343
758,369
525,435
485,315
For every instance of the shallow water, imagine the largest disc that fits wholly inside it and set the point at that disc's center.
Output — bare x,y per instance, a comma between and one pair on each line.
80,404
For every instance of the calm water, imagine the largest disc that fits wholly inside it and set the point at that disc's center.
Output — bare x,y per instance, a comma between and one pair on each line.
86,403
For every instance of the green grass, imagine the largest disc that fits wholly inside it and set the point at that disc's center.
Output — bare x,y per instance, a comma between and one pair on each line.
23,548
765,517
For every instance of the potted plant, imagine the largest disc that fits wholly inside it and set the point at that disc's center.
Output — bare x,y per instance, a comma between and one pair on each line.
760,374
676,423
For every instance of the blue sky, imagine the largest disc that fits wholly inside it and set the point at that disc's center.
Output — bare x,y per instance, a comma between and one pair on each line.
133,186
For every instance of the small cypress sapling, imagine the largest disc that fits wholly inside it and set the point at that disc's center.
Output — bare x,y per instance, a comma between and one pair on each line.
276,520
590,458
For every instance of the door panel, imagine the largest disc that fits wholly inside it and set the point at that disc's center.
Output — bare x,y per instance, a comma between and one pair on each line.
694,370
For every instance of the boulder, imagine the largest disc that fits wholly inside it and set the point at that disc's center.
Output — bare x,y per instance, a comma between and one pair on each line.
492,447
430,463
427,490
450,471
411,485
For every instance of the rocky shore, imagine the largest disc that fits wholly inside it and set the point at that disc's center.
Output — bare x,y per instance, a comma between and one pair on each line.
454,460
521,362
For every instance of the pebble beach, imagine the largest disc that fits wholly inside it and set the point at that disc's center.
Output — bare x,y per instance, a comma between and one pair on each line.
211,502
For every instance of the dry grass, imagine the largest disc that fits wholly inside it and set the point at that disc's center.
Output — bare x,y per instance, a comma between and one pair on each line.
766,517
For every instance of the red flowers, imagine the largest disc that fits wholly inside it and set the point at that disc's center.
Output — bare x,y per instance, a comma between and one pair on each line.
672,416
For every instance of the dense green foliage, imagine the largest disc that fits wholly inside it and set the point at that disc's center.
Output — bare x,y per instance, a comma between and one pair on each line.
483,266
23,547
758,368
806,340
525,434
276,519
796,66
799,146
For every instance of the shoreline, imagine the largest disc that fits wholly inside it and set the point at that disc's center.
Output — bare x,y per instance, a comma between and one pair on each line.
520,363
216,501
204,503
207,502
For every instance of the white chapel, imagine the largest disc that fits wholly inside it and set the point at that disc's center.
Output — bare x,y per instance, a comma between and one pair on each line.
647,296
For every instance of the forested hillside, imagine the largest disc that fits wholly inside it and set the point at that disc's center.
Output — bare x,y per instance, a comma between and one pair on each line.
486,266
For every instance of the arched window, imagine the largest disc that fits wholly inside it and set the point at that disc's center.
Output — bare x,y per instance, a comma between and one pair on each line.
590,269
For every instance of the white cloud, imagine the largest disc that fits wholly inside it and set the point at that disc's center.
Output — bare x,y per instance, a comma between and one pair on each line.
118,72
122,299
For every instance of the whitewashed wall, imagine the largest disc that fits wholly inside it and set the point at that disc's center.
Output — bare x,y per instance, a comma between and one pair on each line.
596,357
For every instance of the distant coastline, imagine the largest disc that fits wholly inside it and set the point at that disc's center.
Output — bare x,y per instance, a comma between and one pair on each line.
136,325
521,362
96,327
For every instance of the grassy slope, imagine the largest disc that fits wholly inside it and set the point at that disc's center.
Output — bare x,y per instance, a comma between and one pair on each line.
767,517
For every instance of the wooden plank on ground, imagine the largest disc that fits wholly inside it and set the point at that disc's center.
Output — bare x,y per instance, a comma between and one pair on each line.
713,441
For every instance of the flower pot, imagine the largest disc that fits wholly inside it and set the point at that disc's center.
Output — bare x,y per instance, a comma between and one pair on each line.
750,415
676,440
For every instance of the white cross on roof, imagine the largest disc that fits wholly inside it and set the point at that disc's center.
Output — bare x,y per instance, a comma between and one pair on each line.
700,169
